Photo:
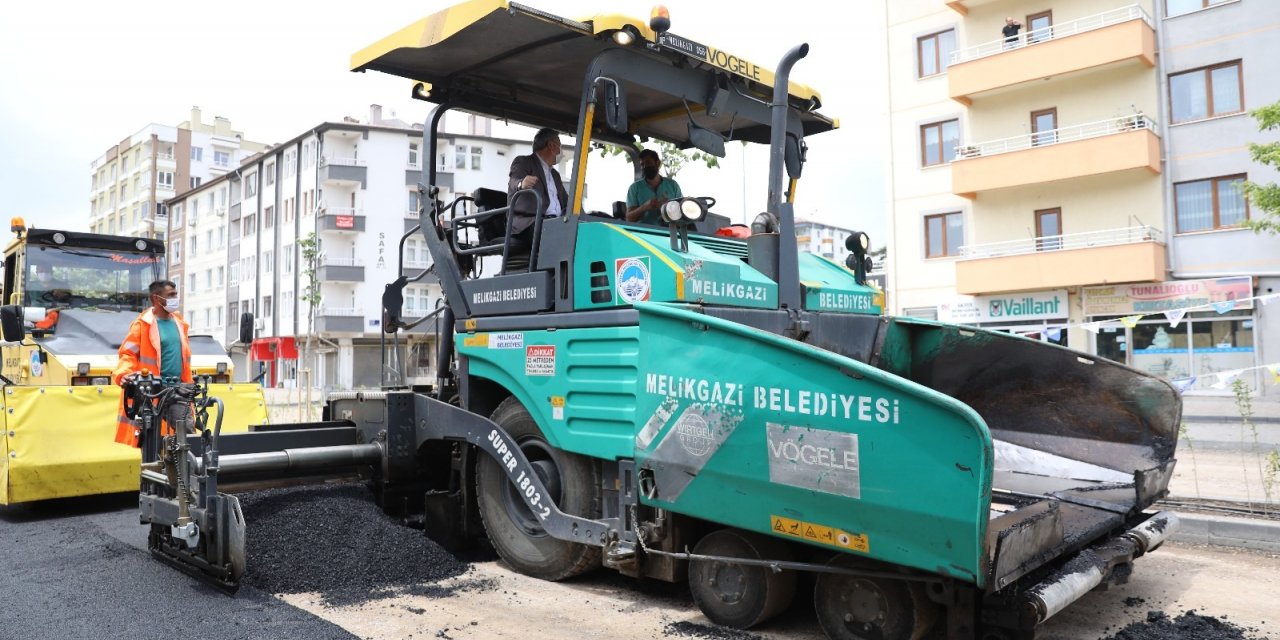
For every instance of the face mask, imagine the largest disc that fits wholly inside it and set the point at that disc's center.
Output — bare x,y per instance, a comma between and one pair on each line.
650,172
171,304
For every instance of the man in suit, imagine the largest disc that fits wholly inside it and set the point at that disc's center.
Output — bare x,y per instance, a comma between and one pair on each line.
535,171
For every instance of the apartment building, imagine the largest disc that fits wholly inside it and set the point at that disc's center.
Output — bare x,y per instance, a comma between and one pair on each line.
1071,180
353,185
822,239
154,164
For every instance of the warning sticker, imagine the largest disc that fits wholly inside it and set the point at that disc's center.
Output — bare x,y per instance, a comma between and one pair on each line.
557,407
506,341
477,340
819,534
540,360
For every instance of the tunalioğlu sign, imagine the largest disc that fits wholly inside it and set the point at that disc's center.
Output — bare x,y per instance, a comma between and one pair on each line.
1040,305
1129,299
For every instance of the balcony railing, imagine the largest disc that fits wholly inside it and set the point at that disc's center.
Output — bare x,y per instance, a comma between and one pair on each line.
341,161
1053,32
342,312
341,211
1085,240
342,262
164,156
1122,124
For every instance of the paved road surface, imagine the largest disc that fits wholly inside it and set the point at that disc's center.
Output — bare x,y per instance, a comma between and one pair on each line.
80,570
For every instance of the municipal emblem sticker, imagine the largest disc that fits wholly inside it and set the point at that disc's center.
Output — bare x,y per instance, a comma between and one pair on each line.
632,276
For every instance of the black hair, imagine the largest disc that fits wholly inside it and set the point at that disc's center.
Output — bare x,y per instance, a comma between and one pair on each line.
650,153
543,137
156,288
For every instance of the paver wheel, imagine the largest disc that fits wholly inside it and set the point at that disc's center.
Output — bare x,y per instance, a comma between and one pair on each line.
737,595
573,482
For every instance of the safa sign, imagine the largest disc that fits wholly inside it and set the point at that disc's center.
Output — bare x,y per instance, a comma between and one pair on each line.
1014,307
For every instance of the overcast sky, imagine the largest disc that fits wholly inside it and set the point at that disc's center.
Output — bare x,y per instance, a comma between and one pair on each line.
75,80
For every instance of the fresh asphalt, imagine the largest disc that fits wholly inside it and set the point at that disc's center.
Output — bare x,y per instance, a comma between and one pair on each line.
79,568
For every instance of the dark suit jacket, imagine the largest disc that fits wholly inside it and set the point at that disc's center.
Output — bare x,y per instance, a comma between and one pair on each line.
530,165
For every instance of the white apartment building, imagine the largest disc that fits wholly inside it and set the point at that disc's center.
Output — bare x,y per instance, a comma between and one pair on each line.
354,186
822,239
153,165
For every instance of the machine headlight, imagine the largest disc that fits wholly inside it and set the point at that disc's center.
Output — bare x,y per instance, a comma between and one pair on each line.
141,244
673,211
59,238
692,209
101,381
222,367
858,242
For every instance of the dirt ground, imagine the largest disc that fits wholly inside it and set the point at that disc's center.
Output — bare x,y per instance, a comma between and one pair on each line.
493,602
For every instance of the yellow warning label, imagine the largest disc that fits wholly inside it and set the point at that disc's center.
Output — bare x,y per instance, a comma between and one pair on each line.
477,340
557,401
819,534
470,324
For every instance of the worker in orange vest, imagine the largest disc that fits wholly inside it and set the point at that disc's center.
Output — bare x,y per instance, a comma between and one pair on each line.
157,344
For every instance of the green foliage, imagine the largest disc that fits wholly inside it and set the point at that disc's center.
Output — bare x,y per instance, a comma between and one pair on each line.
309,251
1265,197
674,159
1185,434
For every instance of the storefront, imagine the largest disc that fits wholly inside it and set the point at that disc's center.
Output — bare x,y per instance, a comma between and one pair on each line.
1037,315
1188,330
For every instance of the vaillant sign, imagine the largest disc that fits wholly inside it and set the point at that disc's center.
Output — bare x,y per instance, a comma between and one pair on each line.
1013,307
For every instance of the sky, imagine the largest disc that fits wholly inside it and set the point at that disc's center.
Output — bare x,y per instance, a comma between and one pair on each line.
75,81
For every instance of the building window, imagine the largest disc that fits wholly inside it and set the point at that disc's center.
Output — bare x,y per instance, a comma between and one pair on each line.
943,235
938,142
460,157
413,154
208,279
289,163
250,185
414,201
1216,203
270,174
269,217
250,223
1044,126
266,306
195,182
233,274
175,252
222,271
195,251
191,288
286,258
197,153
221,158
933,51
164,179
233,310
475,157
1048,229
1208,92
267,261
1178,7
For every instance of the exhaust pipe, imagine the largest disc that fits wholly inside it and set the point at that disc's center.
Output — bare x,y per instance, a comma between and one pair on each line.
1087,570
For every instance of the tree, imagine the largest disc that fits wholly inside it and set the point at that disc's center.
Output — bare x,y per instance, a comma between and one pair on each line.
1265,197
674,158
309,251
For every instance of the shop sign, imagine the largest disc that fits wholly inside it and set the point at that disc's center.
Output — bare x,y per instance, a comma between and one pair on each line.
1129,299
1013,307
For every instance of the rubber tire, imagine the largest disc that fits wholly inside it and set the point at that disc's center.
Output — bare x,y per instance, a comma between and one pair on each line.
895,618
764,593
539,556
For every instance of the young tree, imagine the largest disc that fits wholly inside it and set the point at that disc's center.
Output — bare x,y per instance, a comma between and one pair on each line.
309,251
1265,197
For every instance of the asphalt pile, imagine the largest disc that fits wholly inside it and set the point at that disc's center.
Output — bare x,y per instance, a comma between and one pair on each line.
334,540
1188,626
686,629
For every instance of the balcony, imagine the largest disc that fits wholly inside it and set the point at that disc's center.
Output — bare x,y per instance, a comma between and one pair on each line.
342,219
1119,144
337,170
1132,254
340,270
1113,37
339,320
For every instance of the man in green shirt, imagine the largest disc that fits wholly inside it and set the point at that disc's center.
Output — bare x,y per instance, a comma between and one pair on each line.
647,195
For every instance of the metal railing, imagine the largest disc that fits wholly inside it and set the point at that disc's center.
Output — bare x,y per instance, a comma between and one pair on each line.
341,211
341,161
1098,129
346,312
341,262
1064,242
1053,32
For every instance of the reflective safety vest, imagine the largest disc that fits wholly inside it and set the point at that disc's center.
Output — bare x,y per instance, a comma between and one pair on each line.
140,352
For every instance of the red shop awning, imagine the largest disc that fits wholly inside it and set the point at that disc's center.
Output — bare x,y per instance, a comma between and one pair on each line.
282,347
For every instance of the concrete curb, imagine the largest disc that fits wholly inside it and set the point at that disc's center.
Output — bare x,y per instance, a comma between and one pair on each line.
1223,531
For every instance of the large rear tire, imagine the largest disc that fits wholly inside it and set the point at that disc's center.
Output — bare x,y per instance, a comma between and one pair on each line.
864,608
573,482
